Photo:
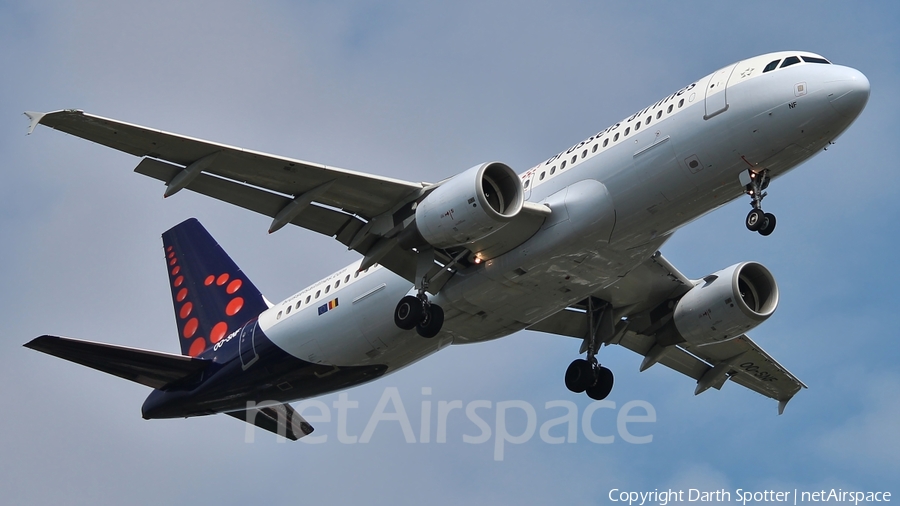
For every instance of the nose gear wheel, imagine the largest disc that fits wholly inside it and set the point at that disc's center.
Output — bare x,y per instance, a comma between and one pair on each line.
758,220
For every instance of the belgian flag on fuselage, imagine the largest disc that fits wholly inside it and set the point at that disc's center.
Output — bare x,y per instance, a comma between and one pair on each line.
211,295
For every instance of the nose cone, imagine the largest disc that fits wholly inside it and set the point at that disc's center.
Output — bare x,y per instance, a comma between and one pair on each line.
849,92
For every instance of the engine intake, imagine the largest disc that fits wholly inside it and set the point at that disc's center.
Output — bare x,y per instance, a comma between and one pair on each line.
470,205
726,304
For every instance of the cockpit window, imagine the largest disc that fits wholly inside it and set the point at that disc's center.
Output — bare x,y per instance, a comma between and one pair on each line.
772,66
813,59
790,60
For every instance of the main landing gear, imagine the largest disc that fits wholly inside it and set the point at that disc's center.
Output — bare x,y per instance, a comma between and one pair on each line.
417,312
590,377
757,220
586,374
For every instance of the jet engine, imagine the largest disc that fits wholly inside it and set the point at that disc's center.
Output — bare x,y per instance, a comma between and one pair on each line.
470,205
726,304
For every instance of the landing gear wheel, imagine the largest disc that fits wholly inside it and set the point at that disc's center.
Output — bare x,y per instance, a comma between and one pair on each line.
409,312
603,386
579,376
767,225
755,220
432,321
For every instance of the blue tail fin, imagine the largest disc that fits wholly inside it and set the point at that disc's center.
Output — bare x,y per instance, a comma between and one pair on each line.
212,297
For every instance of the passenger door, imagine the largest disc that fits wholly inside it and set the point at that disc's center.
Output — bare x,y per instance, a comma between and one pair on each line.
716,89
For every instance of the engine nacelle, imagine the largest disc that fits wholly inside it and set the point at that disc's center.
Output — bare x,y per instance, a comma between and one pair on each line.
726,304
470,206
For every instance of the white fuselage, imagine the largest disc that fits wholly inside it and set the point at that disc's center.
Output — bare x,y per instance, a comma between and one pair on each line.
615,199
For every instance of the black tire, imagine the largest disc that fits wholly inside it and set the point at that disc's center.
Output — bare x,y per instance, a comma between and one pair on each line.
409,312
755,220
601,389
579,376
432,321
768,224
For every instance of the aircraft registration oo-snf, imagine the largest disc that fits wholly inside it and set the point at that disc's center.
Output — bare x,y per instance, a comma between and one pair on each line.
569,247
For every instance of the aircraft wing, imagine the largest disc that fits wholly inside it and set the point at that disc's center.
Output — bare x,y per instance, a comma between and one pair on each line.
331,201
646,289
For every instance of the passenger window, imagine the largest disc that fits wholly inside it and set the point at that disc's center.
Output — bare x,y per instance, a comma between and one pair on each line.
771,66
527,182
337,284
584,153
278,316
563,166
308,298
298,304
594,149
637,126
542,176
680,103
347,278
669,109
616,138
605,142
813,59
790,60
647,122
288,310
552,170
627,131
355,274
318,292
659,115
574,158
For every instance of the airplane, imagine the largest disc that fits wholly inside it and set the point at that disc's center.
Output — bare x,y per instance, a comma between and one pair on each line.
568,247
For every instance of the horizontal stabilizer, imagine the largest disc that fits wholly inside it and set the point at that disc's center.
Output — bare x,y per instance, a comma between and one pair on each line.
151,368
279,419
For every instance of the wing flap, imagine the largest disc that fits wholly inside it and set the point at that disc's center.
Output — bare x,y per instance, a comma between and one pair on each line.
318,219
151,368
672,357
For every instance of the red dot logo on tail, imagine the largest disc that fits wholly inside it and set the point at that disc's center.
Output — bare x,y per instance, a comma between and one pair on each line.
218,332
190,328
197,347
234,306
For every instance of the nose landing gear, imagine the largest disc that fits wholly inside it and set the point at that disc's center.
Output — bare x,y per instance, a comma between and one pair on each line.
758,220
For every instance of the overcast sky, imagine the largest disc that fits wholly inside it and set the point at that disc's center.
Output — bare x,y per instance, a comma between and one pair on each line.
421,91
